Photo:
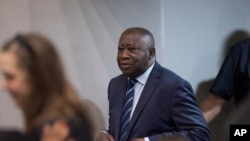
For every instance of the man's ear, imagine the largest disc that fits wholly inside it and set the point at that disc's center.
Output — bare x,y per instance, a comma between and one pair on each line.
151,53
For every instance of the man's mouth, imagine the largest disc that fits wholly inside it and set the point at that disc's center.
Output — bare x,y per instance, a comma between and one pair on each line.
125,65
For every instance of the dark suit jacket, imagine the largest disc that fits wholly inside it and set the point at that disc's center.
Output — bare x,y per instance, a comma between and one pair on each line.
166,107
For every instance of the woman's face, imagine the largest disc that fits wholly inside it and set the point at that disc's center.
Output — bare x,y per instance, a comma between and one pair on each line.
14,79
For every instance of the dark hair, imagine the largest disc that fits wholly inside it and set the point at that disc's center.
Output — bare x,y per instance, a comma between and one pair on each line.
143,32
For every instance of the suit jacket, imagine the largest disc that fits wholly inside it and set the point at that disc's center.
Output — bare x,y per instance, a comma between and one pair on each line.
167,106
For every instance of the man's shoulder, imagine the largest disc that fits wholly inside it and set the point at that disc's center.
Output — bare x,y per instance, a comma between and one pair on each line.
170,75
170,78
118,78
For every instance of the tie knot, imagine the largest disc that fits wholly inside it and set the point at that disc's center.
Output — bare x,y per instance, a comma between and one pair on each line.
132,81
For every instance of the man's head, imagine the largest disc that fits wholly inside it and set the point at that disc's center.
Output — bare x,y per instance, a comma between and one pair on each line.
136,51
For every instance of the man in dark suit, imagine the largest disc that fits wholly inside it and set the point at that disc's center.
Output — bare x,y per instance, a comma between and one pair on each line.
149,102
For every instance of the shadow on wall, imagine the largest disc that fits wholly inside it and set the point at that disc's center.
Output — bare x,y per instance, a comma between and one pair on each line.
219,124
232,39
240,117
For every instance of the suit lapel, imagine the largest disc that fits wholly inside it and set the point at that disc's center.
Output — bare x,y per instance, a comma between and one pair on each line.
120,97
146,94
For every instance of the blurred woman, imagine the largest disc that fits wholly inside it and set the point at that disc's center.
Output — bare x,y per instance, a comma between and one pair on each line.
34,77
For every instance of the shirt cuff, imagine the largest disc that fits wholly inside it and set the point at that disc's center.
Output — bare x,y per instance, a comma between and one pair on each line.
146,139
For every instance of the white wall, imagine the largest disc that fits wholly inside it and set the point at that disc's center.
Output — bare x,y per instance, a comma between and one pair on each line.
190,37
196,33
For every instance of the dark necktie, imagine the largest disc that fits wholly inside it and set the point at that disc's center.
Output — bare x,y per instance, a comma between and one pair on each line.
127,108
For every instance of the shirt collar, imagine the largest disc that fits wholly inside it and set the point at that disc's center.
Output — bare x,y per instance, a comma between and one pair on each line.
144,77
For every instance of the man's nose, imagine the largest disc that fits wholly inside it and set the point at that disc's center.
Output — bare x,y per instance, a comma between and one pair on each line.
124,54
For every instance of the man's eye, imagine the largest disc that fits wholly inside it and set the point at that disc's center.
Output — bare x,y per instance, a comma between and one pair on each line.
131,48
120,49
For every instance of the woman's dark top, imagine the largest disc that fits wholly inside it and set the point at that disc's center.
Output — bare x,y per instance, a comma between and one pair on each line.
11,135
79,130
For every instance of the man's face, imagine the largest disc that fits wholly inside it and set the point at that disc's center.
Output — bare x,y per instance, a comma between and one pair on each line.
133,55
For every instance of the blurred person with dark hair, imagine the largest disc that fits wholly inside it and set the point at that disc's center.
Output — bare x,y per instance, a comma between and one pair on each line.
233,80
34,77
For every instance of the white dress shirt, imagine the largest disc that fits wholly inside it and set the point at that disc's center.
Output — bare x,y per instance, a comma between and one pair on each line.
139,86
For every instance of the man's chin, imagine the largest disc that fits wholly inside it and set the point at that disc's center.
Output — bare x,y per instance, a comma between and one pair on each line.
127,73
